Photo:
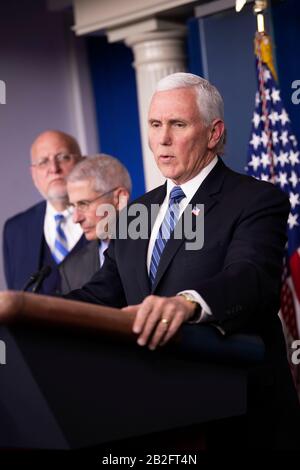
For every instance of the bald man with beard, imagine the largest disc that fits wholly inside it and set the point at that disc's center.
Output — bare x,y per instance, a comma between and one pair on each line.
31,238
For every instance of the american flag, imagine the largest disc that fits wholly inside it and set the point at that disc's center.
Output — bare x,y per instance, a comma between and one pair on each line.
273,155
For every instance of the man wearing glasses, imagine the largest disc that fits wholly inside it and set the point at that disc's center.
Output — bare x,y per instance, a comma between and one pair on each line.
45,233
95,181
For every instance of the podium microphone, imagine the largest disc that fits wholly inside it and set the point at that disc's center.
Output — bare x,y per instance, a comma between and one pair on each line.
44,272
37,278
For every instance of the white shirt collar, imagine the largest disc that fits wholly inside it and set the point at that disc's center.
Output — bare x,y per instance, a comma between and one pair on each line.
190,187
103,245
51,211
72,231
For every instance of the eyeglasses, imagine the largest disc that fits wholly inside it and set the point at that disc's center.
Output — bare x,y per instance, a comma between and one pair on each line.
60,158
83,206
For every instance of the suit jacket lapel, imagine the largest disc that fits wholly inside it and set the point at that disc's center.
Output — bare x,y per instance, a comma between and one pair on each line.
35,238
141,245
95,255
207,194
82,242
79,266
89,259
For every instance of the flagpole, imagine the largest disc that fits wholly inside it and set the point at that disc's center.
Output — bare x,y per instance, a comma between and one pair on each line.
259,7
264,54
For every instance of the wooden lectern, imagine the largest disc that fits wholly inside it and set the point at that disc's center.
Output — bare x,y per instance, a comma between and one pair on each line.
74,376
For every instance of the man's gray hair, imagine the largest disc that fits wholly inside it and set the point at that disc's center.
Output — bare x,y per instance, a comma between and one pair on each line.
107,172
210,102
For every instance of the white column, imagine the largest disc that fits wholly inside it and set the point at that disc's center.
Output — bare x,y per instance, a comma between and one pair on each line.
156,54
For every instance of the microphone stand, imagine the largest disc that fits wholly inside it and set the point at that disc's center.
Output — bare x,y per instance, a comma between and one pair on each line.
37,279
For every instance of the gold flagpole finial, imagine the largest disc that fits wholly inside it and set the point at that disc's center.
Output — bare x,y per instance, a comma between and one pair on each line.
260,5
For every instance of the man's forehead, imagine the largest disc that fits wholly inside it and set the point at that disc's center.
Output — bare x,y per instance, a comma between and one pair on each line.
83,184
175,93
175,103
50,143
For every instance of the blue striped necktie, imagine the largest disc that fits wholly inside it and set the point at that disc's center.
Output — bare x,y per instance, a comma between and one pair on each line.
61,243
165,230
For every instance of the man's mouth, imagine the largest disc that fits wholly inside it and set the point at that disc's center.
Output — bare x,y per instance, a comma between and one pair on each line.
55,180
166,158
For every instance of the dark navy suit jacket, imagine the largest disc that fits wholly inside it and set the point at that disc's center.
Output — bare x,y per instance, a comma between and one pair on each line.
23,239
237,271
78,268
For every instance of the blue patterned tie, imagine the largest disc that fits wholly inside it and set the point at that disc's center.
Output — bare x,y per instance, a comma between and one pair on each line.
165,230
61,243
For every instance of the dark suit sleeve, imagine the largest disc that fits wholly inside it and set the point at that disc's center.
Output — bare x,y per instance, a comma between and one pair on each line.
248,286
7,258
105,287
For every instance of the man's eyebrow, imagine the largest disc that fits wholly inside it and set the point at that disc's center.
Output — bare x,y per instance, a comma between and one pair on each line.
171,121
80,201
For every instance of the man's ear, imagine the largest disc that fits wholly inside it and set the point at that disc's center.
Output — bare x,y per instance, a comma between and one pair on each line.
217,128
33,175
121,197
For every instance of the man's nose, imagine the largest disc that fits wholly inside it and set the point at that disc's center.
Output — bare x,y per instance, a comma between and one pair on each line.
77,216
54,166
165,136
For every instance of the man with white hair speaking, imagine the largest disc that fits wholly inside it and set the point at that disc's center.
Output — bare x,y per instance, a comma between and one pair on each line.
96,180
233,280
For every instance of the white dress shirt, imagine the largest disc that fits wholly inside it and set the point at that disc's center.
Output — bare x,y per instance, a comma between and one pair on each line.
103,245
189,188
72,231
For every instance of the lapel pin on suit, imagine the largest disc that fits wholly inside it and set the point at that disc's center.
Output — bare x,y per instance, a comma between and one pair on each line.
196,211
